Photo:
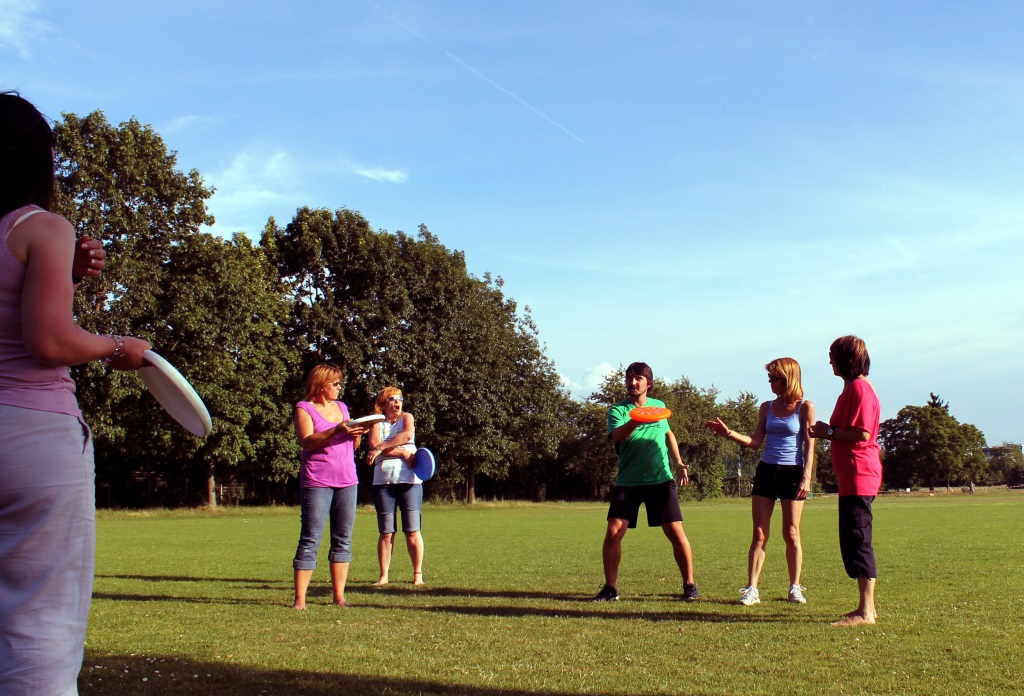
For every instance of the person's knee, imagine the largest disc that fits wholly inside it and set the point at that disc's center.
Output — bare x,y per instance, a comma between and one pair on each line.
760,536
791,536
616,530
388,537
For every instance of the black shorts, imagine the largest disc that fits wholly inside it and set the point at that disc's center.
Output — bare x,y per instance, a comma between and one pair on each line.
661,499
777,481
855,524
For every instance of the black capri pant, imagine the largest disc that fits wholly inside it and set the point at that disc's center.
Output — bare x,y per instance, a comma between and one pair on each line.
855,522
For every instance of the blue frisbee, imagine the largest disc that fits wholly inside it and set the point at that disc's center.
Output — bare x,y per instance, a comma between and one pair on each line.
425,464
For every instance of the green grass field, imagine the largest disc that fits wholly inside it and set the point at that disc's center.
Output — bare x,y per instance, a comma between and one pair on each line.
192,602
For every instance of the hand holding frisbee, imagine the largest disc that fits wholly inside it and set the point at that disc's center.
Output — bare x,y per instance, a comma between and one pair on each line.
649,414
175,394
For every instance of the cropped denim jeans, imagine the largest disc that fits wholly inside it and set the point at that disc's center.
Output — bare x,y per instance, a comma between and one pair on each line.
317,504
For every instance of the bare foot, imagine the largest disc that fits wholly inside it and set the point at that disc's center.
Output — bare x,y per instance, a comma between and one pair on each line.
417,577
855,619
856,612
340,603
299,604
383,581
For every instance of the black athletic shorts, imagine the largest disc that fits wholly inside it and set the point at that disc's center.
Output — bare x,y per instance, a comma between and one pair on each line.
777,481
661,499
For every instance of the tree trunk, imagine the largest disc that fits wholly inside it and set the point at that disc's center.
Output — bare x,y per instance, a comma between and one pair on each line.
471,485
211,486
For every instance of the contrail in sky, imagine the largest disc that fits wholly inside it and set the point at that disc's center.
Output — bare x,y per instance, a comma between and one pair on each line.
474,71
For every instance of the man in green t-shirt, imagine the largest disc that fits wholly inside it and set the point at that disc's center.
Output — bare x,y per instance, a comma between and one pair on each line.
645,476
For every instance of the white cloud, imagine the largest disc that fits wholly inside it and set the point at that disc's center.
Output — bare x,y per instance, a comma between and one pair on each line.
589,382
394,176
183,123
19,26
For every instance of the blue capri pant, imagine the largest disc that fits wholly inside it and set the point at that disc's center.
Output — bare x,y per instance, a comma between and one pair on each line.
317,505
407,497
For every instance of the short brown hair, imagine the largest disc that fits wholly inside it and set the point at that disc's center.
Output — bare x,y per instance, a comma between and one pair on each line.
850,356
789,370
319,377
642,369
382,398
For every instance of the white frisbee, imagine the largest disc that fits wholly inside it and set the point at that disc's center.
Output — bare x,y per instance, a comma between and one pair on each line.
175,394
366,420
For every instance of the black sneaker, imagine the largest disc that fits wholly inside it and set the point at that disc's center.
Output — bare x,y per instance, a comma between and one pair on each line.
690,592
607,594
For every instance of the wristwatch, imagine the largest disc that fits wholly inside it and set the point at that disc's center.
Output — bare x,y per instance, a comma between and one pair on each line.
830,433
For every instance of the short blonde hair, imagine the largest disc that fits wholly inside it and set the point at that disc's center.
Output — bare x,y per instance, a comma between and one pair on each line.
382,398
789,370
319,377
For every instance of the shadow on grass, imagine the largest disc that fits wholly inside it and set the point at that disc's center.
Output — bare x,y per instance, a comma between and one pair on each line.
437,591
173,676
374,597
683,614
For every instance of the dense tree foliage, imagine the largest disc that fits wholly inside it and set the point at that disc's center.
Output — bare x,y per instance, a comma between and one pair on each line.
245,322
1006,465
211,306
926,445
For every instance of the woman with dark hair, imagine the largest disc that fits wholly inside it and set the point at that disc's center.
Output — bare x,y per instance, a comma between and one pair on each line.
396,487
784,472
47,473
327,479
853,432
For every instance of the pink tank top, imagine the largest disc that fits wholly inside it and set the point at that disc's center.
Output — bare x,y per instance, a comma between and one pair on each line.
24,382
334,464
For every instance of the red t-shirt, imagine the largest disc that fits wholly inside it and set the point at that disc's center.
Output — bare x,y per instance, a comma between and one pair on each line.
857,465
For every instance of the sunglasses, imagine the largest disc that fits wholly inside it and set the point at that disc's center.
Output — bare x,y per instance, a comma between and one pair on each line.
395,398
775,378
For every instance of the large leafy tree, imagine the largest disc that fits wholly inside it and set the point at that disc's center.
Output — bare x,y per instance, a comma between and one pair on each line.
211,306
927,445
1006,465
393,309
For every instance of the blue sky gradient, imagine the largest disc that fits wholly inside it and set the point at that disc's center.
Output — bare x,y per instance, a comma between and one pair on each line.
701,185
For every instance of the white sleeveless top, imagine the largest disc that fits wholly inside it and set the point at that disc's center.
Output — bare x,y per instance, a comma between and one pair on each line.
393,470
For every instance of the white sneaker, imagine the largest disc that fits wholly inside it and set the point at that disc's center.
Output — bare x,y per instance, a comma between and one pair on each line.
796,594
749,595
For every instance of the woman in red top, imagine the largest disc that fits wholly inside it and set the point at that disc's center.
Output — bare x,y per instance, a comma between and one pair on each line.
853,432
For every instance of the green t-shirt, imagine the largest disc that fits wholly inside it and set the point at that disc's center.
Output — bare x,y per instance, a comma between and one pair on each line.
643,457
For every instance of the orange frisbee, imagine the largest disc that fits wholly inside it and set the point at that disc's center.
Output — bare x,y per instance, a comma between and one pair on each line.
649,414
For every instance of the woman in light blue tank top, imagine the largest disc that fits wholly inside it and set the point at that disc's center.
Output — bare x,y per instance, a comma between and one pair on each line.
784,473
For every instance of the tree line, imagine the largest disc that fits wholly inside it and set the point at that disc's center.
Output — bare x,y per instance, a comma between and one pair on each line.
244,321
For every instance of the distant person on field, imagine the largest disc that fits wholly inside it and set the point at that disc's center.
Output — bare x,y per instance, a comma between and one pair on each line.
784,472
327,479
395,485
853,431
646,452
970,488
47,472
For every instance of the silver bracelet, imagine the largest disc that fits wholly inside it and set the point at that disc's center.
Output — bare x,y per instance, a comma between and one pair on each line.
118,349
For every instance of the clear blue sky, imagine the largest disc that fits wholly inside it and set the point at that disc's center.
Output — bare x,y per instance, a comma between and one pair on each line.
701,185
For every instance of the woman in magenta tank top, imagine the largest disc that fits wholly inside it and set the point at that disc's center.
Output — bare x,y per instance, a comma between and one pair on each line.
327,479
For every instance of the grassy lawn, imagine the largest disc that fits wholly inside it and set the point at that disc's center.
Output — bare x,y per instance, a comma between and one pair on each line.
193,602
